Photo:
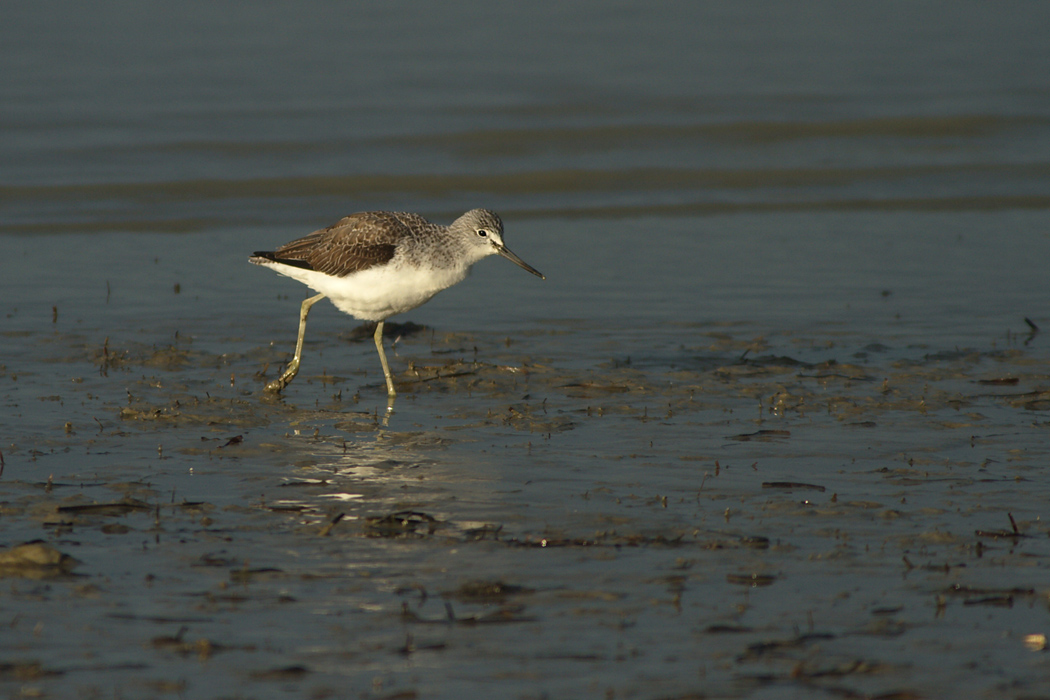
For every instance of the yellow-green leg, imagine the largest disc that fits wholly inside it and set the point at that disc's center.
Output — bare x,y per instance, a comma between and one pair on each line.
382,358
292,369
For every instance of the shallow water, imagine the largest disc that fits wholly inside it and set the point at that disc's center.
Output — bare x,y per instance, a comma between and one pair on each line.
774,426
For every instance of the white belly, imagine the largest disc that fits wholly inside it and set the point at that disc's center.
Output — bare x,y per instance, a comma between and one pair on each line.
377,293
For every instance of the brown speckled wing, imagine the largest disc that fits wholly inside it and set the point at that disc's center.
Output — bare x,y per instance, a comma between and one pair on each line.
356,242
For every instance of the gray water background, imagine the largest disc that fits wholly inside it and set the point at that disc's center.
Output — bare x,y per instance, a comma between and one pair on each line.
862,183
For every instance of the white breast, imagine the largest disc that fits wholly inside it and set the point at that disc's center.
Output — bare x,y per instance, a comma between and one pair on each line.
379,292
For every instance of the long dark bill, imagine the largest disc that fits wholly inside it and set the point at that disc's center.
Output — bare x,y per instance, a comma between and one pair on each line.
505,252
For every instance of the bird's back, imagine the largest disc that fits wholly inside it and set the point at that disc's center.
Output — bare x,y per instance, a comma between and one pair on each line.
352,244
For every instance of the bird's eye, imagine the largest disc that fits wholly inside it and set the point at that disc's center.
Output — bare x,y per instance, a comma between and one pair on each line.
483,233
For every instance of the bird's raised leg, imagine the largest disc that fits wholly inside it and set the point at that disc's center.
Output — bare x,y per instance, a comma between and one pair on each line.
292,369
382,358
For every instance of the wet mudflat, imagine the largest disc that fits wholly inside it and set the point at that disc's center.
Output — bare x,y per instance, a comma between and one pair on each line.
775,425
564,509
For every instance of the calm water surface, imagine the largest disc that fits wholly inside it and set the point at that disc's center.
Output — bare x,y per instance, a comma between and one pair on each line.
774,426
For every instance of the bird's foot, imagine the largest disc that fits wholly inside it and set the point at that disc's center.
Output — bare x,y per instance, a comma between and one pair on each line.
276,386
